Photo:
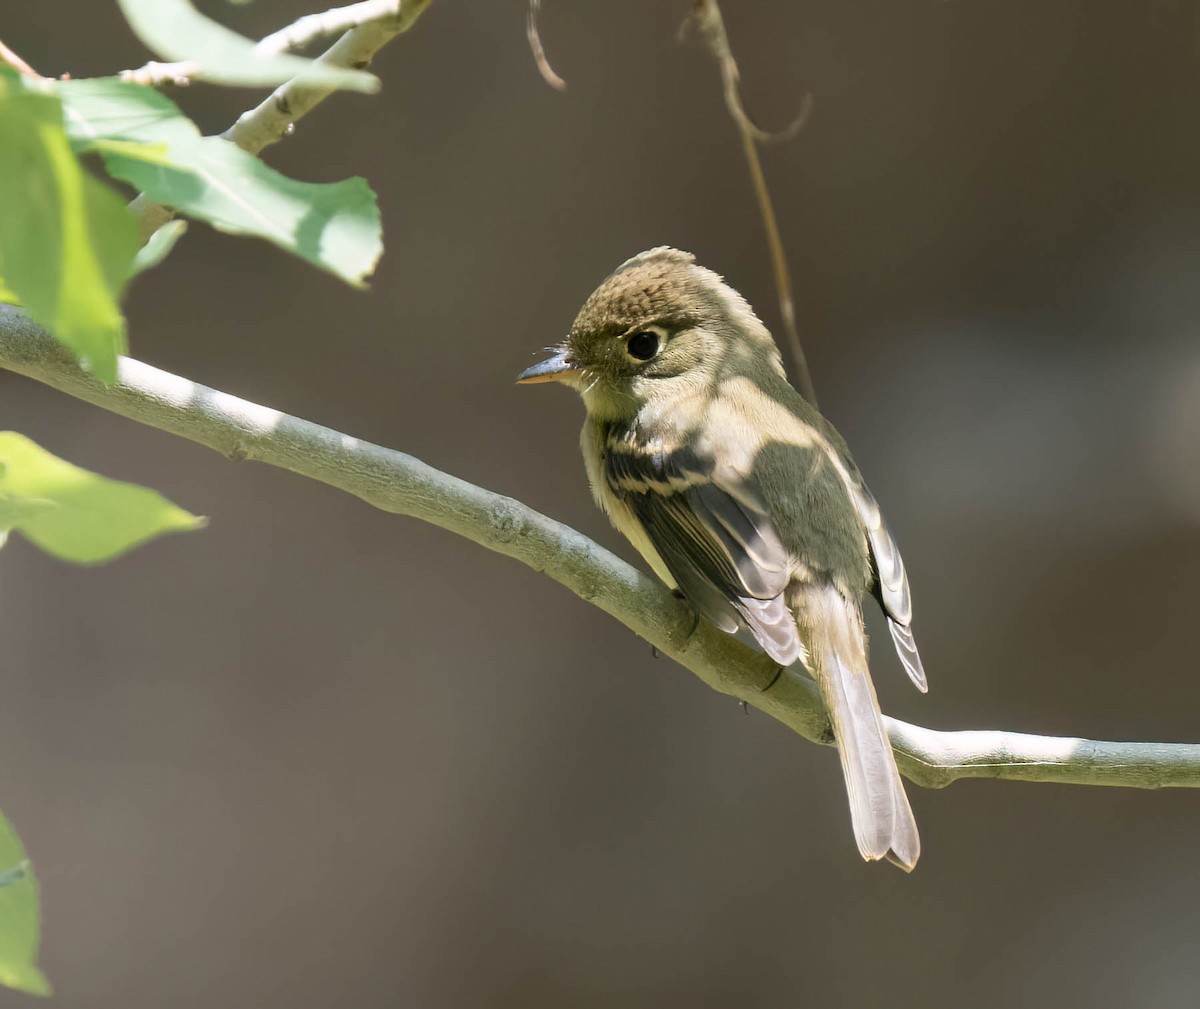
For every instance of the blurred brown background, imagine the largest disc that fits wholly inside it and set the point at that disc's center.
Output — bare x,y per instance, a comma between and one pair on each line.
318,756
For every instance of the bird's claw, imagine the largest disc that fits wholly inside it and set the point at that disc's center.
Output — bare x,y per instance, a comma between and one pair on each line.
695,613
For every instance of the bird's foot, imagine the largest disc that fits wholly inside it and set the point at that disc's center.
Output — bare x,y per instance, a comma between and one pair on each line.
695,613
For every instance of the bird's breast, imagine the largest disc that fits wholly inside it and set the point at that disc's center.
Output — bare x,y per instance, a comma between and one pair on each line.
594,442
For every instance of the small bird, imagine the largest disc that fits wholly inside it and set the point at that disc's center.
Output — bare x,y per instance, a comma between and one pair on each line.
744,499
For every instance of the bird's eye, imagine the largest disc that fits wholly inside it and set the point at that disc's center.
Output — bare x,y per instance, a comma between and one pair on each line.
643,345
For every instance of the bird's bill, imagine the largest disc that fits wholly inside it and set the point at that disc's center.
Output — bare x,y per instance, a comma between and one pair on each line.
554,369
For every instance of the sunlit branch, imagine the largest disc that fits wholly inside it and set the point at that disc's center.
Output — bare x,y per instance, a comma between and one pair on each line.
403,485
10,58
275,117
331,22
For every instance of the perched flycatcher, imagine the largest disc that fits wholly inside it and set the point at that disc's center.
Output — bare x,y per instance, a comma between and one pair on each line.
739,494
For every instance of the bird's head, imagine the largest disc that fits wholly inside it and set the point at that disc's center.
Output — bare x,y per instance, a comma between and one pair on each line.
658,326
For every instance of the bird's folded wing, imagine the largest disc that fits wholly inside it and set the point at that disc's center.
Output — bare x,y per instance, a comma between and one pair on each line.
891,583
717,542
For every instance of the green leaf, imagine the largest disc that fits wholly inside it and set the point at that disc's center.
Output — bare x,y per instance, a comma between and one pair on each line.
176,31
155,154
106,108
76,515
158,246
335,226
7,296
15,510
67,242
20,917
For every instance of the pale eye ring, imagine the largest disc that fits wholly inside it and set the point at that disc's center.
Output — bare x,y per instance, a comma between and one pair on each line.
643,345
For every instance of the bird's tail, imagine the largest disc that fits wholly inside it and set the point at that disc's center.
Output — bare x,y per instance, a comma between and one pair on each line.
883,821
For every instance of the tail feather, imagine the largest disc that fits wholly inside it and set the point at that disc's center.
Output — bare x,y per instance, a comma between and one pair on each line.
884,826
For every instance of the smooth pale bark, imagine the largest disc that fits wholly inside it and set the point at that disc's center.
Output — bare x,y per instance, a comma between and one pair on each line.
403,485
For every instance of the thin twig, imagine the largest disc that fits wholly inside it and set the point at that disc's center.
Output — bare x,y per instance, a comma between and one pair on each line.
400,484
298,34
706,18
275,117
331,22
19,65
535,47
271,119
155,74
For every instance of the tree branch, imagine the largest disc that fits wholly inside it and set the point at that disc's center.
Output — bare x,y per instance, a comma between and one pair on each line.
7,56
706,18
331,22
275,117
403,485
533,36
